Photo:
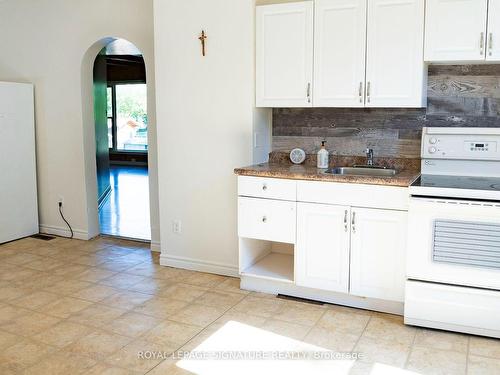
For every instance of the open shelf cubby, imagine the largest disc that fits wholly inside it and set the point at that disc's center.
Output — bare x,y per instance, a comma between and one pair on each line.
267,260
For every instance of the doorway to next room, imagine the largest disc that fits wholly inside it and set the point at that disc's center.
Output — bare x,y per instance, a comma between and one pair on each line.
121,128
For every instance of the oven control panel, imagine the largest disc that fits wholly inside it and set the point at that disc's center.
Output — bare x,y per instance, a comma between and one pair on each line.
461,143
481,146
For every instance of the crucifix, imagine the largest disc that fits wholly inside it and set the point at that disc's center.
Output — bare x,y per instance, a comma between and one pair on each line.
202,40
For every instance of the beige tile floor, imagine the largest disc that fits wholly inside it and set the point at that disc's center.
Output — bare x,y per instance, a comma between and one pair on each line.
75,307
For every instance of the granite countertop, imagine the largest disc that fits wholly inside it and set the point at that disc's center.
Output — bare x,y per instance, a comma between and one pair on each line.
279,166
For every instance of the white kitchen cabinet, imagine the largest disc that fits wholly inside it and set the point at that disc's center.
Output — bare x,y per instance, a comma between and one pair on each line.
378,247
339,53
394,56
322,250
284,55
310,239
493,40
456,29
366,54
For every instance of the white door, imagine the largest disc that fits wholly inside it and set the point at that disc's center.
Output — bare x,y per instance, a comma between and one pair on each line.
18,191
394,61
493,40
322,250
284,54
455,30
378,253
339,53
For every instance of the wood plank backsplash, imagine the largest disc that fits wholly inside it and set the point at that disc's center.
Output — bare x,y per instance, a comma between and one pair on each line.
458,95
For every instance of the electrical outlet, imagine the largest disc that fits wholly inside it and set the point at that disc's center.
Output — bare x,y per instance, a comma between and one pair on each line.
176,226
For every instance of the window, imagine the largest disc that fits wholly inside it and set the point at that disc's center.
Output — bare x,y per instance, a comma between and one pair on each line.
110,117
127,117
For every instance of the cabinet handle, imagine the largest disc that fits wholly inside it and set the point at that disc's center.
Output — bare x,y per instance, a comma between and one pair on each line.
360,93
309,92
353,222
481,42
264,219
368,87
264,187
490,44
345,220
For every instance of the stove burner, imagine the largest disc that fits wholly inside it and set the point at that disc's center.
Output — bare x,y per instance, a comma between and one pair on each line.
495,186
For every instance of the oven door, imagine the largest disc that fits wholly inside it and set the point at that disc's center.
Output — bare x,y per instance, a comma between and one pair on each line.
454,241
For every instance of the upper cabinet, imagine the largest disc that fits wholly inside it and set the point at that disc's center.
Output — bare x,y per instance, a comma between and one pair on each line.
493,41
284,37
455,30
339,78
366,54
462,30
394,58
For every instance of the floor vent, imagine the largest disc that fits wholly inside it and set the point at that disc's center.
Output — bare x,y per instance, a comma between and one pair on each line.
297,299
42,237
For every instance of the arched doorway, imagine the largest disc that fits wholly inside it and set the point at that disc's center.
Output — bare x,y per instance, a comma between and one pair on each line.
121,129
117,129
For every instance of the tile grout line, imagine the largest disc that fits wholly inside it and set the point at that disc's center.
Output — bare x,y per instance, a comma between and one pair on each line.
412,345
467,357
362,332
316,323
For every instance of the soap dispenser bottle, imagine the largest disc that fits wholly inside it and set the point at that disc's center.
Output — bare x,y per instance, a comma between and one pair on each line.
322,160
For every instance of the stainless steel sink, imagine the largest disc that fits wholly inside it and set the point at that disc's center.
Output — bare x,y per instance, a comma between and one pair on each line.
362,171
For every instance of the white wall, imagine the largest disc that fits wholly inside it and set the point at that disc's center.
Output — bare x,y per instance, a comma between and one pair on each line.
206,117
45,42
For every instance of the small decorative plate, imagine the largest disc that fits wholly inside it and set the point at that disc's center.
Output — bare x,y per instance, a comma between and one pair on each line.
297,156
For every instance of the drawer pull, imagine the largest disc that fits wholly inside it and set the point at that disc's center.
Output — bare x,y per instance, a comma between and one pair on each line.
353,223
345,220
264,219
264,187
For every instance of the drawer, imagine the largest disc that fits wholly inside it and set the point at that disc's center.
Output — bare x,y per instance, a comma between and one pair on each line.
266,219
457,308
273,188
359,195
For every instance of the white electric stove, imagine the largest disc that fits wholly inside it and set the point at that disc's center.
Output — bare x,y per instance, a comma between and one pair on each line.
453,268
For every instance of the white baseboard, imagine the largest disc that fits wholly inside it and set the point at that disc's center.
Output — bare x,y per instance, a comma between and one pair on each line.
155,246
198,265
64,232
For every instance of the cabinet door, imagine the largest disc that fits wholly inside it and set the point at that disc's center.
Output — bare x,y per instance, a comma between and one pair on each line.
378,248
455,30
493,40
322,250
284,55
339,53
394,62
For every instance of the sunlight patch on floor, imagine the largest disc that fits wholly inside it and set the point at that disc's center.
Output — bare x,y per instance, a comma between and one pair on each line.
236,338
381,369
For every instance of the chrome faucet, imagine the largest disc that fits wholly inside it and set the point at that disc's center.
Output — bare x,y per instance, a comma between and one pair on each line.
369,156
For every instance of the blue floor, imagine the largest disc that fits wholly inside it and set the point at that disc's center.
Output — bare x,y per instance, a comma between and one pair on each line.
126,211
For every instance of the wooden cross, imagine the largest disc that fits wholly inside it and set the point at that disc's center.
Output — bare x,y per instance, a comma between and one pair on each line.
202,40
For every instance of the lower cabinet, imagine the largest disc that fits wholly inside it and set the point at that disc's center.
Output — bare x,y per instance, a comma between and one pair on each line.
323,240
353,250
378,248
322,250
